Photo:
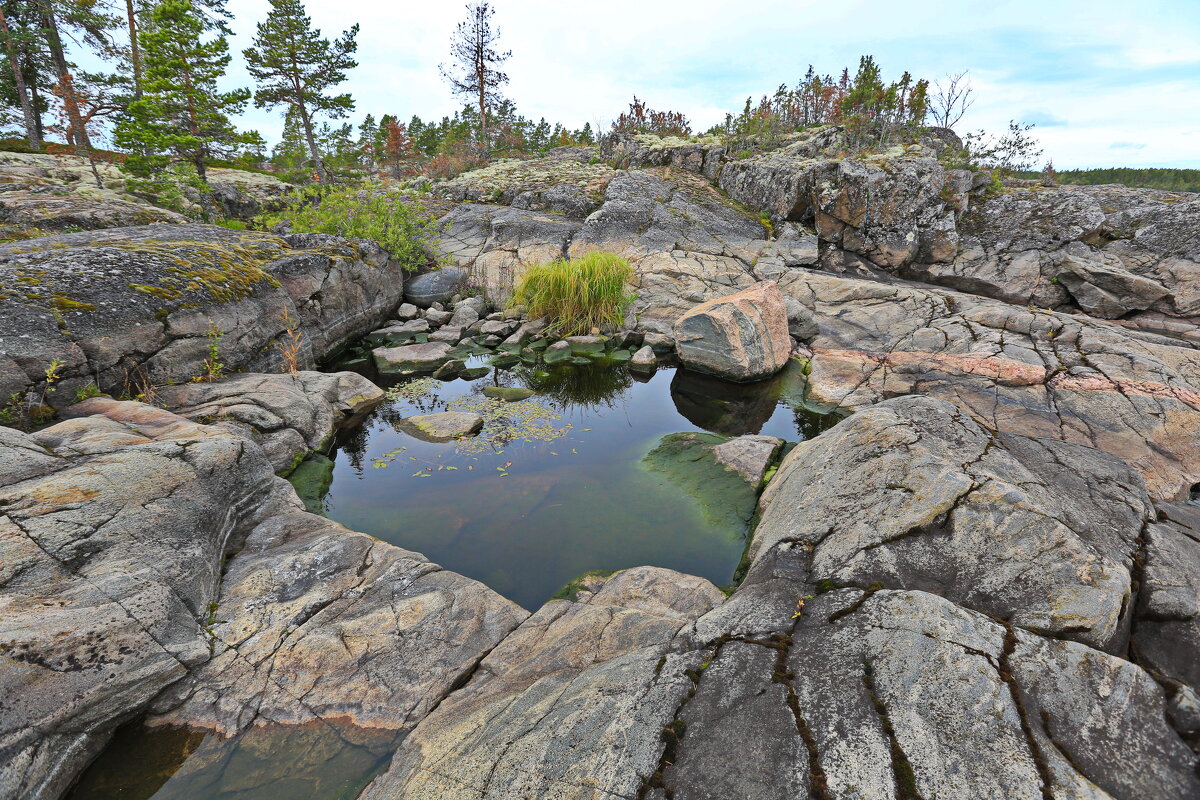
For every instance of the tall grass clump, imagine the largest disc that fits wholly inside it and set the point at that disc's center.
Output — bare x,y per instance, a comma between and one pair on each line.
576,295
402,227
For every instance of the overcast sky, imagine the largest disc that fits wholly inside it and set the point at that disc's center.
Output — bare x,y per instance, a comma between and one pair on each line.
1108,83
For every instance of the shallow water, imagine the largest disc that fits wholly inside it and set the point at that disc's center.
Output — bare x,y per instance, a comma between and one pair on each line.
554,486
527,516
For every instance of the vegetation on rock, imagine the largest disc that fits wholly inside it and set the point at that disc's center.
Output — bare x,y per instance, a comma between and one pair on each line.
577,295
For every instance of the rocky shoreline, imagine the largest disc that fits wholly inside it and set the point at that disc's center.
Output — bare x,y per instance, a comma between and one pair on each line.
980,584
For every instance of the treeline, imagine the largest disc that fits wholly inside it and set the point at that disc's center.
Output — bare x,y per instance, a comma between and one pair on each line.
1174,180
391,147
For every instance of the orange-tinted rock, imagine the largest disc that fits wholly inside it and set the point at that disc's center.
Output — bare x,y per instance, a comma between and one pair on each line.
742,337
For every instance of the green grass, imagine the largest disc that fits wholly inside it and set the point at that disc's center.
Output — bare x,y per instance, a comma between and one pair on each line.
576,295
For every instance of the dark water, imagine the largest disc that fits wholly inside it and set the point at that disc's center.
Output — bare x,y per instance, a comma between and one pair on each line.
554,486
527,516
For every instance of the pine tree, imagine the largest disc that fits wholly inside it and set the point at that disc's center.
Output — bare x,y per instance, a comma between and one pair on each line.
368,132
295,67
399,153
181,114
12,46
476,71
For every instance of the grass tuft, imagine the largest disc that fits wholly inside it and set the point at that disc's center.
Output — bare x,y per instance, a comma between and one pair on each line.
577,295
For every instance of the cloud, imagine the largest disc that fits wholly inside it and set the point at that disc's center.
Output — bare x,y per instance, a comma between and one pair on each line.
1127,146
1043,119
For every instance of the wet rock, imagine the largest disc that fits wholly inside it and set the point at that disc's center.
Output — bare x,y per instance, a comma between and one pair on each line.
558,352
434,287
726,494
450,369
586,345
285,415
411,358
644,360
742,337
443,426
509,394
312,480
749,456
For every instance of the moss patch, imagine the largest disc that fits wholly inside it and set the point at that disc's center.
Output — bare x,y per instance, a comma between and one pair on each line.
687,461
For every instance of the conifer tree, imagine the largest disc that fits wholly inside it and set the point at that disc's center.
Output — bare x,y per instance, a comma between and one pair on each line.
295,67
181,114
476,71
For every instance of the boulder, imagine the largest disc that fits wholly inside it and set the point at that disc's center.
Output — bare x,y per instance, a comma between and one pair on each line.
443,426
742,337
509,394
411,358
434,287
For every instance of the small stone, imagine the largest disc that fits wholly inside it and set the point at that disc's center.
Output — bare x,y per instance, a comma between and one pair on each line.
586,345
463,316
557,352
407,311
474,373
436,317
447,334
444,426
660,342
450,369
509,394
644,360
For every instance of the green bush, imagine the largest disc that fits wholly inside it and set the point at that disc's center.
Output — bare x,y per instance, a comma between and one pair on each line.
401,226
576,295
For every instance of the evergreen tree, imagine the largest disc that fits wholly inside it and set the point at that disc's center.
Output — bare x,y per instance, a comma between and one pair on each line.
476,71
181,114
294,66
368,132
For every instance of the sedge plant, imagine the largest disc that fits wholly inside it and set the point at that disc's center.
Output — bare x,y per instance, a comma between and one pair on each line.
577,295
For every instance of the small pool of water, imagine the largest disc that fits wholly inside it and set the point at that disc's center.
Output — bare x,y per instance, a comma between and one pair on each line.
559,484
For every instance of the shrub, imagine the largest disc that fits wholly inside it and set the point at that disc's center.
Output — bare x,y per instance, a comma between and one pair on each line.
576,295
642,119
402,227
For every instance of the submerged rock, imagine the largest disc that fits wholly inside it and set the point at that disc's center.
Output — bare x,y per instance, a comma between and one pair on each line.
725,493
311,480
508,394
443,426
742,337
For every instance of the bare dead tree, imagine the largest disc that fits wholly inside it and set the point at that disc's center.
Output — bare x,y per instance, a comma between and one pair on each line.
475,71
952,97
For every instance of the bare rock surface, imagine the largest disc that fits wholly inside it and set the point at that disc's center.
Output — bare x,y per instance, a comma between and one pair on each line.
286,415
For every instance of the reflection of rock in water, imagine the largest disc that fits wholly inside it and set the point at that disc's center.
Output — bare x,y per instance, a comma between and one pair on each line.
722,407
319,761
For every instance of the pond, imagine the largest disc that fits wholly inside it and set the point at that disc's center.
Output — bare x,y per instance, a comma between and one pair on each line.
583,474
566,481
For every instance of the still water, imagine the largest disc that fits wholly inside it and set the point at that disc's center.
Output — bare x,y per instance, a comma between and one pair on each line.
565,481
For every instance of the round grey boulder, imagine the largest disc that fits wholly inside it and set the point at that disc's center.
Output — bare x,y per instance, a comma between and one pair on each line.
434,287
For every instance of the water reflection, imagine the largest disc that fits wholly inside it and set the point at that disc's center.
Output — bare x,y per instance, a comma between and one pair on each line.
317,761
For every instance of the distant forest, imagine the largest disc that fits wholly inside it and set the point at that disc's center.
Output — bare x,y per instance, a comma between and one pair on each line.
1176,180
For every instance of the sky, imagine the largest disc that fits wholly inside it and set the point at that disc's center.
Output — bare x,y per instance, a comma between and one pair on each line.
1106,83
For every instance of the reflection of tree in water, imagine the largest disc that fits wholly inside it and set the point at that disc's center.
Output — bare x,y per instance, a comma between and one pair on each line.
353,442
577,386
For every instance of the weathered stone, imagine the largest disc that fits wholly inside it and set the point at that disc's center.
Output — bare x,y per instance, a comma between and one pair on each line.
586,345
285,415
132,317
443,426
801,324
572,704
742,337
558,352
411,358
447,334
407,311
434,287
438,317
749,456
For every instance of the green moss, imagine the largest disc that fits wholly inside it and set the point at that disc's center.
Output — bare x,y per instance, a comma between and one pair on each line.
687,460
576,585
63,303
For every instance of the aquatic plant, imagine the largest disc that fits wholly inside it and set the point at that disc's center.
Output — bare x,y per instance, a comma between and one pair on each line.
577,295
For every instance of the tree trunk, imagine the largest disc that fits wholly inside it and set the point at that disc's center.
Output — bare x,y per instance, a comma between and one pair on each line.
31,126
322,173
135,51
83,145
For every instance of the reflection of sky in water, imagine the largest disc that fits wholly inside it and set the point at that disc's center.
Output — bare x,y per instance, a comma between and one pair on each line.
576,503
